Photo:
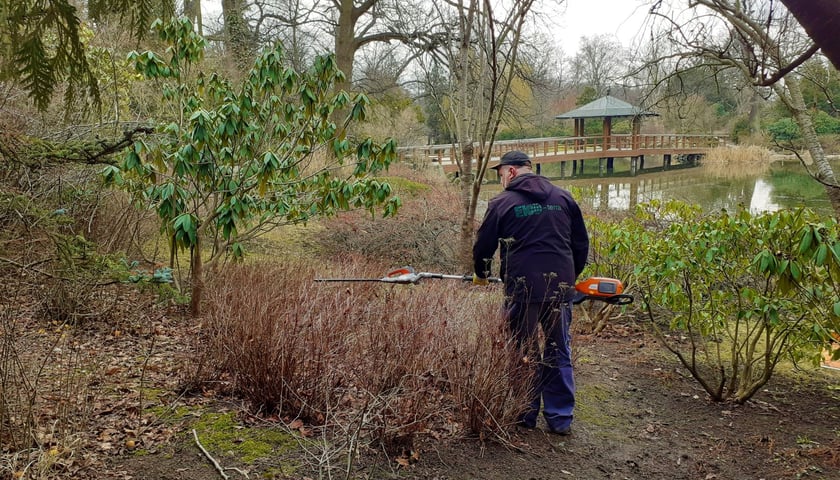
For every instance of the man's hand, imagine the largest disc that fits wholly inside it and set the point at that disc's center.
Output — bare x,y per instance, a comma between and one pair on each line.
480,281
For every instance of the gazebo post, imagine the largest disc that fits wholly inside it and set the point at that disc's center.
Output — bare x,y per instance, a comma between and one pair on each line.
607,133
635,130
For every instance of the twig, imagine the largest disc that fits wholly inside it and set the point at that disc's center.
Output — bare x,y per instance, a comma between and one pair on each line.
244,474
143,378
210,457
30,267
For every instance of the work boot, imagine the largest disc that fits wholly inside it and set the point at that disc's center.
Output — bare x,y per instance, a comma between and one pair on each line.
562,431
523,423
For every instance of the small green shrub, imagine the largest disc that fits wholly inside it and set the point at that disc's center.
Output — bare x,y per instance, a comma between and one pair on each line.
825,123
784,130
740,292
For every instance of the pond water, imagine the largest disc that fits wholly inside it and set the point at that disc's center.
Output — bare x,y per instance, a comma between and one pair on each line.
770,187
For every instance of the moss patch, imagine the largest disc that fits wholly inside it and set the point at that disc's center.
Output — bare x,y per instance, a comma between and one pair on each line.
287,240
404,186
591,407
222,435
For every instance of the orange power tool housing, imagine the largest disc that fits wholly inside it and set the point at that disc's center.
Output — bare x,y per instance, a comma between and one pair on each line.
600,287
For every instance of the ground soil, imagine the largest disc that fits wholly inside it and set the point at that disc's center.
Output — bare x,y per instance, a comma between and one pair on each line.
638,417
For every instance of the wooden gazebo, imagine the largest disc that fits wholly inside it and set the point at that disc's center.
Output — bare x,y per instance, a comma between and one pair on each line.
607,108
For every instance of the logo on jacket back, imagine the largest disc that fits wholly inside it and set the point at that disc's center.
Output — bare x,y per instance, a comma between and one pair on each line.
534,209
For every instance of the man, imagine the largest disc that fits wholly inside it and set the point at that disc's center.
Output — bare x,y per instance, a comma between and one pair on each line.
544,247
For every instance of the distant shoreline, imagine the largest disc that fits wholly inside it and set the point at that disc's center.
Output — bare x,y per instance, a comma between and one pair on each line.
789,156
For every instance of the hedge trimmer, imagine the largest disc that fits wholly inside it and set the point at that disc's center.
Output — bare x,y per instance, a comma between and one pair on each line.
604,289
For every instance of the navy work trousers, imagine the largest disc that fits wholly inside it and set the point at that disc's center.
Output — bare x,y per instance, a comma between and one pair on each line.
553,380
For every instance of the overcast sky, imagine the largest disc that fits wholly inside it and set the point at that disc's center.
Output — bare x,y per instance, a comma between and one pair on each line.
623,18
573,19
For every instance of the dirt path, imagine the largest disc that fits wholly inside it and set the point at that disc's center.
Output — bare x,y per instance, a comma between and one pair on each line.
638,417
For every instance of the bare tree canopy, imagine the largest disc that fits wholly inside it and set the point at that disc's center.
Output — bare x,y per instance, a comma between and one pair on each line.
599,62
472,77
349,26
760,39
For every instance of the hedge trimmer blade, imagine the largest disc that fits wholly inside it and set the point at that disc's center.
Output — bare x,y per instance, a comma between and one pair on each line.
406,275
603,289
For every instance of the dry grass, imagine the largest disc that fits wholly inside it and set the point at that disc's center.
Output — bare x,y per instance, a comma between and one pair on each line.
44,396
736,161
393,360
117,226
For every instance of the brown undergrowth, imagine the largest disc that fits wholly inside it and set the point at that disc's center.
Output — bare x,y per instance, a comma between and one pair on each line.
424,232
376,363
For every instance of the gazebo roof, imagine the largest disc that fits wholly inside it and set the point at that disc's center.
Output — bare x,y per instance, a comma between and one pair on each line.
606,106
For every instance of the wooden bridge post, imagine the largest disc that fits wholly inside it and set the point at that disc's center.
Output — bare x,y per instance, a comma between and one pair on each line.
633,165
601,166
604,203
666,161
562,169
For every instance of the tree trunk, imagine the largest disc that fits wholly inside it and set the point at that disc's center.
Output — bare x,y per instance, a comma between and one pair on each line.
196,278
192,10
345,43
467,206
824,172
753,118
238,39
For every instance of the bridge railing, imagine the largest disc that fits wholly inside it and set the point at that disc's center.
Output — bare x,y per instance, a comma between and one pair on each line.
565,146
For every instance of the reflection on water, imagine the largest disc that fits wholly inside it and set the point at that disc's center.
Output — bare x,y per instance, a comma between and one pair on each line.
761,200
784,185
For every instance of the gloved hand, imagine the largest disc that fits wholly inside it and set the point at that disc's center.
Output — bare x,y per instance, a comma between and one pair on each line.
480,281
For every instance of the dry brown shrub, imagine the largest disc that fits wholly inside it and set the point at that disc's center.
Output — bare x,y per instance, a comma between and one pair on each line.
116,225
104,216
424,233
394,360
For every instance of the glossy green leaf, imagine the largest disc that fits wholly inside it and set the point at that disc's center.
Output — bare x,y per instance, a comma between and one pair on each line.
807,239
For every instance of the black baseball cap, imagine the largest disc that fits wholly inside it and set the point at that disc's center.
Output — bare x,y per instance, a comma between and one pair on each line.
514,158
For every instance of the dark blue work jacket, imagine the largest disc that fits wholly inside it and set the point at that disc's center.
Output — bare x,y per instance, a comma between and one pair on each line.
543,240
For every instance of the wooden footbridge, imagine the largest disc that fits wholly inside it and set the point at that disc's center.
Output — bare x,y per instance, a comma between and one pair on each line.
578,149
